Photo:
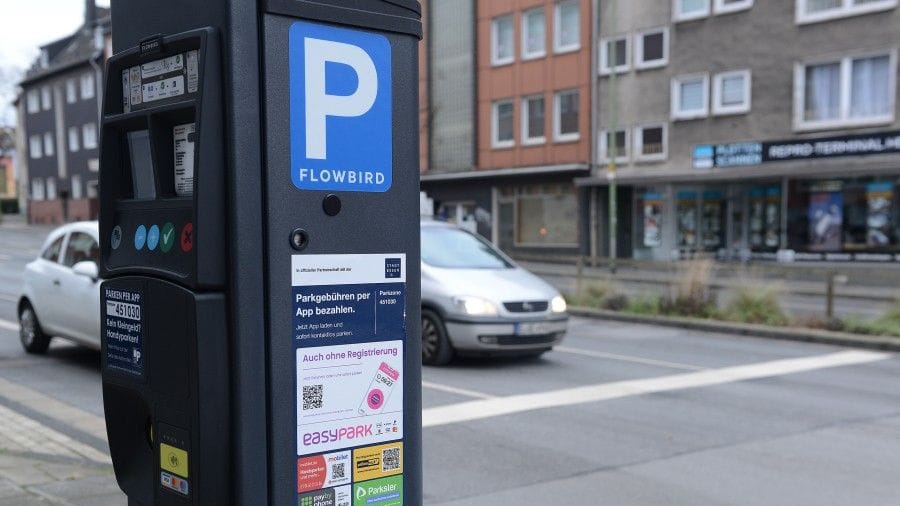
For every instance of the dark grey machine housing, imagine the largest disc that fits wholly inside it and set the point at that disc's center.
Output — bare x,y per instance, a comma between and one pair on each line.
219,318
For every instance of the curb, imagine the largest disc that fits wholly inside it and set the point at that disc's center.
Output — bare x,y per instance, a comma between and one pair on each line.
748,329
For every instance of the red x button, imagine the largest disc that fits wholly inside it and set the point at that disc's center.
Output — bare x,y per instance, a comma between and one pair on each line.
187,237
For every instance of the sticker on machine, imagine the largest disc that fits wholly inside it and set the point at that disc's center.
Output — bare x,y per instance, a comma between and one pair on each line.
123,330
183,140
349,396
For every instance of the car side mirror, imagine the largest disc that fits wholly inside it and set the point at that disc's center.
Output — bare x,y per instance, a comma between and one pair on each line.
87,268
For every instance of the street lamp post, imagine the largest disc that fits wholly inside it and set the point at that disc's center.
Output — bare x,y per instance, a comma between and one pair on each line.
611,141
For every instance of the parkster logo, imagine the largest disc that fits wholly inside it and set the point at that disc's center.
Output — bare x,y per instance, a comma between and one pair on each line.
340,92
383,492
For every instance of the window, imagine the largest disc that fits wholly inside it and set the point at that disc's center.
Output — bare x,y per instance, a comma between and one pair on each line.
52,251
533,120
87,86
73,139
566,27
619,45
651,48
37,189
33,101
539,215
690,96
621,145
89,132
71,92
51,188
726,6
76,187
48,144
732,92
502,47
502,129
93,189
850,91
46,99
686,10
81,247
534,34
34,146
565,117
650,142
814,11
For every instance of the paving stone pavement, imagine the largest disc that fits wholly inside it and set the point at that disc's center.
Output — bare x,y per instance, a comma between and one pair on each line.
34,479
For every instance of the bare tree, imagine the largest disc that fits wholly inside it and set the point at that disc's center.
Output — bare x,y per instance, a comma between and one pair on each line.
9,84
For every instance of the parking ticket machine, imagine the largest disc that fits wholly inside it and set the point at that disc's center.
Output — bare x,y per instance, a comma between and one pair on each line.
259,245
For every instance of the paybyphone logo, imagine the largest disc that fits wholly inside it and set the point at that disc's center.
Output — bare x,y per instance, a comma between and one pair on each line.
340,93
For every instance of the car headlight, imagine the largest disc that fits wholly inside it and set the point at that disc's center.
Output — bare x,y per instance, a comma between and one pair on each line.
475,306
558,304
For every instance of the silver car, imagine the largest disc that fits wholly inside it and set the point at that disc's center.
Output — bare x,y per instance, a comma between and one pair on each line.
61,292
476,300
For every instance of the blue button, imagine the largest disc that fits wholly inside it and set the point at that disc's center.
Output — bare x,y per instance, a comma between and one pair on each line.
153,238
140,237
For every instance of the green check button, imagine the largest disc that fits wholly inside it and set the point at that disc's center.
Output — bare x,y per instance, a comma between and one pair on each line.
167,237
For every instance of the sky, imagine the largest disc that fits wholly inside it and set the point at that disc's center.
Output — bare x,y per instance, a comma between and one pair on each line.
27,24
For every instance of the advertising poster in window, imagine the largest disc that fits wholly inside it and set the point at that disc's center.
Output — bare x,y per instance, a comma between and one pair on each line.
879,198
712,219
653,205
757,217
773,216
687,219
826,217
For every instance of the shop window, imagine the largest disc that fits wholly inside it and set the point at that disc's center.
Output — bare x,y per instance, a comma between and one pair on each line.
502,124
731,92
619,45
534,34
690,96
651,48
565,117
651,221
502,45
686,10
686,216
765,218
712,222
813,11
847,92
650,143
547,216
567,29
620,142
533,120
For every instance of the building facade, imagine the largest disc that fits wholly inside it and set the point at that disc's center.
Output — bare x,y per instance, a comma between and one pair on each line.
750,129
59,108
509,100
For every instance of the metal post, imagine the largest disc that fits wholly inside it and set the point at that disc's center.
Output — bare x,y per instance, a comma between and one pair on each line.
829,296
612,148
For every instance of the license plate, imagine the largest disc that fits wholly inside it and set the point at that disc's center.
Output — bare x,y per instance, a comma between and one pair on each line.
536,328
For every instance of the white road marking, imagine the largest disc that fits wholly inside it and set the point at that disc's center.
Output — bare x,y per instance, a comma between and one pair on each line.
8,325
488,408
629,358
458,391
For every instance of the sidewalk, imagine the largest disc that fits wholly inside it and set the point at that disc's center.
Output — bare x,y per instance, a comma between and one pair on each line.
35,479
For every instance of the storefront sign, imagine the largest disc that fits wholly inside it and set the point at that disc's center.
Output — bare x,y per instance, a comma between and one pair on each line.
707,156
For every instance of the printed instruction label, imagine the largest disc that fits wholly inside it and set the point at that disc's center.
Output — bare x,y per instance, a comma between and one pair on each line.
183,136
349,331
159,79
123,329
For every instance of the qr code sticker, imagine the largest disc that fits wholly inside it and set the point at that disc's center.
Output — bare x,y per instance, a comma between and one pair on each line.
312,397
337,470
390,459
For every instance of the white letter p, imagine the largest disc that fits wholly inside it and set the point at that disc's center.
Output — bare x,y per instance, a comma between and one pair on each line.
320,105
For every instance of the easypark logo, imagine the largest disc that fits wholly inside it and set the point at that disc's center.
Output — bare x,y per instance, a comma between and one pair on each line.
333,435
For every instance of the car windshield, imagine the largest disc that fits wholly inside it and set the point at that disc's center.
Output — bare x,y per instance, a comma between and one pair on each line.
453,248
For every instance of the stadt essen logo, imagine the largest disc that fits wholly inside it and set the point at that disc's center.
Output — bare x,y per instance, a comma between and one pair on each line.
340,109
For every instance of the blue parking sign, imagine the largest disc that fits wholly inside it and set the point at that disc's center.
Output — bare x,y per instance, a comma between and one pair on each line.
340,92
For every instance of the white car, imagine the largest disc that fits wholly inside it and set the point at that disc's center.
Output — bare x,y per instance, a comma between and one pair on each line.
61,290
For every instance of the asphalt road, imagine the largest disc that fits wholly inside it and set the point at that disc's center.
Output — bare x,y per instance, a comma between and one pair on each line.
622,414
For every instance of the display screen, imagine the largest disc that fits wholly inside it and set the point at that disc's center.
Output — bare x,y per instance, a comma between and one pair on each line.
142,177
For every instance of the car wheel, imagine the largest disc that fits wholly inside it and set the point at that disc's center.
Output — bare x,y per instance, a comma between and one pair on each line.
30,333
436,347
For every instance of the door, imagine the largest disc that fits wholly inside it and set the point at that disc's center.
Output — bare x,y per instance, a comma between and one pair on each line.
80,294
45,281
